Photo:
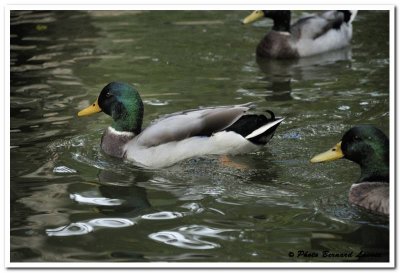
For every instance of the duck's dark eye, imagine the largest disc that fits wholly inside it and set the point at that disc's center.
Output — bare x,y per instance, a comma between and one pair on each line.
108,95
356,138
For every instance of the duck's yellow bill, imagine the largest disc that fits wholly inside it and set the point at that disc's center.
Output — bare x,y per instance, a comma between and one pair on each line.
92,109
254,16
332,154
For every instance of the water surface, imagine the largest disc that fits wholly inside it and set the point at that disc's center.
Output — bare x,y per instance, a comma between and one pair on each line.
72,203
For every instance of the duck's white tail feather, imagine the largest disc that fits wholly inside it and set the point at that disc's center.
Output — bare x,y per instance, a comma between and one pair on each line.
353,15
264,128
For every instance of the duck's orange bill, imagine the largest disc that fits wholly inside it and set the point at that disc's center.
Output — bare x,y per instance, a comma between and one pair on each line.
92,109
254,16
332,154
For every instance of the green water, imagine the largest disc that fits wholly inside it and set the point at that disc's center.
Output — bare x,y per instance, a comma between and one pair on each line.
72,203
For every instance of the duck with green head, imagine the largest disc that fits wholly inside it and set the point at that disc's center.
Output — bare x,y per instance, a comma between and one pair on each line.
310,35
367,146
213,130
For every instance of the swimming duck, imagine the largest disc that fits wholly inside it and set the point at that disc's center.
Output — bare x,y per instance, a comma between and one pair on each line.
367,146
213,130
309,36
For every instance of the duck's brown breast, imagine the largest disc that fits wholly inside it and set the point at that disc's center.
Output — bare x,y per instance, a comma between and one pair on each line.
373,196
277,45
113,142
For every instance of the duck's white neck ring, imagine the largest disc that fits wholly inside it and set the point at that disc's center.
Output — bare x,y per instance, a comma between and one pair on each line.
284,33
120,133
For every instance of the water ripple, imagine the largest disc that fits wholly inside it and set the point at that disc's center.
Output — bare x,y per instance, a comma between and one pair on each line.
70,230
199,22
156,102
81,228
163,215
111,222
189,237
182,241
193,207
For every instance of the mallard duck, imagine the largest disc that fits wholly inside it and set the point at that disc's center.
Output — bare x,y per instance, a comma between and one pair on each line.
309,36
213,130
367,146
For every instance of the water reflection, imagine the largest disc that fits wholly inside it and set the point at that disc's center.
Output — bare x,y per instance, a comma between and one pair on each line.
280,74
116,195
131,198
373,242
310,68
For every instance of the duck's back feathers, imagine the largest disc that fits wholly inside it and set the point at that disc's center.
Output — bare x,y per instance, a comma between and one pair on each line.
190,123
373,196
312,27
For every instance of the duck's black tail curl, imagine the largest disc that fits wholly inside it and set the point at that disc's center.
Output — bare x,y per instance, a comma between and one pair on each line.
349,15
248,124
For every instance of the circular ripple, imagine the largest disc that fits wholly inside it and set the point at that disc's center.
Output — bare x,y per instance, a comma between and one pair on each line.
70,230
111,222
177,239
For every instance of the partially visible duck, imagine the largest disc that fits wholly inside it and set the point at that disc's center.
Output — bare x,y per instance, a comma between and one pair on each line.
213,130
367,146
310,35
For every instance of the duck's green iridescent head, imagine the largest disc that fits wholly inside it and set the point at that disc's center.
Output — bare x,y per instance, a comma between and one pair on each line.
367,146
123,103
365,143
